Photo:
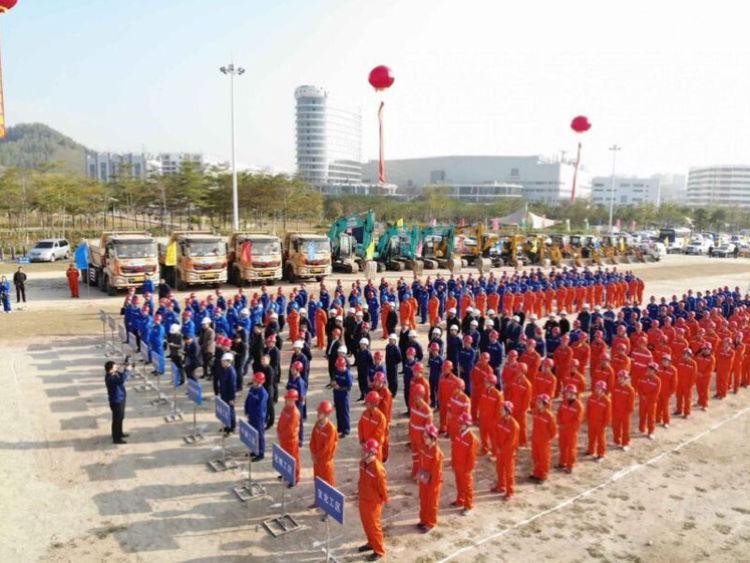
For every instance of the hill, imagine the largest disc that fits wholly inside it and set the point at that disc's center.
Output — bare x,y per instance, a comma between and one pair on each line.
29,145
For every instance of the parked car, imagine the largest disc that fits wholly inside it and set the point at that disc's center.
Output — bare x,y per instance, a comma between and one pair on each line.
699,245
49,250
727,250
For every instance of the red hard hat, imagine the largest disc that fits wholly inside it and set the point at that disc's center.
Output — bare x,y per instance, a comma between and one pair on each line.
492,379
601,385
379,377
418,368
508,406
434,346
494,334
431,430
341,362
418,389
465,418
372,398
292,394
447,366
298,366
513,354
461,384
411,351
653,365
543,397
378,356
259,377
548,362
570,388
484,356
371,446
623,373
468,339
325,407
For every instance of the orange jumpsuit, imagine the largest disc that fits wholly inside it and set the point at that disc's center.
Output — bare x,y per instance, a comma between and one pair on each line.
668,378
404,313
582,353
373,426
413,307
533,360
478,374
620,363
446,388
373,494
544,382
506,444
598,417
746,365
320,328
549,299
543,432
459,403
384,318
430,483
739,356
323,442
464,459
598,349
641,358
433,310
288,434
648,394
519,393
563,357
623,403
706,365
293,320
488,414
687,371
482,303
386,407
602,373
510,372
576,379
420,416
724,363
569,417
418,380
72,275
493,301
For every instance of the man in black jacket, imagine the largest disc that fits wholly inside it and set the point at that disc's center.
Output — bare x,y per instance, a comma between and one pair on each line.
19,280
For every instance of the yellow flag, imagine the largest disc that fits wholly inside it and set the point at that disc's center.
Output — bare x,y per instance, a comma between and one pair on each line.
622,245
370,252
171,258
400,223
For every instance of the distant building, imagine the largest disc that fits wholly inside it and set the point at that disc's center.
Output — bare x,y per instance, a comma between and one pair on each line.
358,189
629,190
328,139
673,187
483,193
725,185
105,166
540,179
171,163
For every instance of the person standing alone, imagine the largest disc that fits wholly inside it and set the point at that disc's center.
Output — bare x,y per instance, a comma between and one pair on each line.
115,381
19,280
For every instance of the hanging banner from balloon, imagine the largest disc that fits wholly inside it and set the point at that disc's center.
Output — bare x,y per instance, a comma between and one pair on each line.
5,5
580,125
381,79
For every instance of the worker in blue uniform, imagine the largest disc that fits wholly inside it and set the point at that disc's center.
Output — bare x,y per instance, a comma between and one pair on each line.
228,386
342,384
256,407
115,378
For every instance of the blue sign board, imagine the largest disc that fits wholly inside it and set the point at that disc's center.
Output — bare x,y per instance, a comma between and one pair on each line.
223,412
249,436
23,260
329,500
284,464
194,390
177,376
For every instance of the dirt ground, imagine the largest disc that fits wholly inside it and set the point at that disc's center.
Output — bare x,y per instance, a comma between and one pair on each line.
69,494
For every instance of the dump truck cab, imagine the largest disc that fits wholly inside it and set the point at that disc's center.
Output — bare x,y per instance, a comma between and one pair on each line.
306,255
122,259
254,257
194,258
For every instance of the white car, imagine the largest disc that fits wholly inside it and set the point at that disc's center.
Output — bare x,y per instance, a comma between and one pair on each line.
49,250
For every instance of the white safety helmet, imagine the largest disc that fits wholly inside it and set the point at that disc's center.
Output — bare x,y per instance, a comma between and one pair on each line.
227,357
206,321
298,344
364,341
174,329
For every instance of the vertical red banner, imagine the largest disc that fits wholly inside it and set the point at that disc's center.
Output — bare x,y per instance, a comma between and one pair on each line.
381,164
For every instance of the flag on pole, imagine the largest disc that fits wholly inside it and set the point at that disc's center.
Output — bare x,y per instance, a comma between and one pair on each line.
246,252
171,257
381,163
82,256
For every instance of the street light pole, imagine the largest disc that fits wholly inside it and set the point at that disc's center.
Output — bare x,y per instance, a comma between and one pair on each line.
233,71
614,149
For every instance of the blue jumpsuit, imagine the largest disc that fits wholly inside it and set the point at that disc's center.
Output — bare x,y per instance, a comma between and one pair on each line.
341,400
228,390
256,405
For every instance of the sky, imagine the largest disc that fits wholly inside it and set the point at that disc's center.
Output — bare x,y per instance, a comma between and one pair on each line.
666,81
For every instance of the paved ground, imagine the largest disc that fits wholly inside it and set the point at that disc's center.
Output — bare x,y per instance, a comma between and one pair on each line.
73,496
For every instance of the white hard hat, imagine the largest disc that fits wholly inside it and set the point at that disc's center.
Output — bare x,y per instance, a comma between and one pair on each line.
532,317
332,311
303,312
358,314
474,323
174,329
274,316
516,318
245,312
413,333
206,321
436,331
364,341
392,337
453,328
298,344
342,350
227,357
490,312
339,318
452,310
469,310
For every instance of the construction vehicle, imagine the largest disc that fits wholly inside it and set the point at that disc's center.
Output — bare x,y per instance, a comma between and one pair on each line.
479,247
194,258
397,249
438,246
306,255
352,242
254,257
122,259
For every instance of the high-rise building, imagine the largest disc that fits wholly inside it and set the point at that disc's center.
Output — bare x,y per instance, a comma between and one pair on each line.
105,166
725,185
629,190
171,163
329,139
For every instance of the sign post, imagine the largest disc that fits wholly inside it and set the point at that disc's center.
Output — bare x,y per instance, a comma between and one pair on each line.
224,414
250,489
103,318
285,464
144,356
195,394
331,501
176,413
112,326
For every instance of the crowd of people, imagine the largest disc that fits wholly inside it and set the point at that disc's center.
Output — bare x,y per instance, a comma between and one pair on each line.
524,357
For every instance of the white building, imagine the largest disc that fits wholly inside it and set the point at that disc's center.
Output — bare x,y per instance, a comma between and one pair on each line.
629,190
171,163
105,166
673,187
540,179
483,193
328,139
725,185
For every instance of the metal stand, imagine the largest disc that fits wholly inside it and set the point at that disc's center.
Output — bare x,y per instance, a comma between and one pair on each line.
104,336
282,524
250,489
176,413
195,436
224,463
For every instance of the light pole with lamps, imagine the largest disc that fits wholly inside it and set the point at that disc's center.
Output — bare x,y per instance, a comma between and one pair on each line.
233,71
614,149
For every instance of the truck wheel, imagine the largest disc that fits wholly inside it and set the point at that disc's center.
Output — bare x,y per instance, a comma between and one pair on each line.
381,267
179,285
319,278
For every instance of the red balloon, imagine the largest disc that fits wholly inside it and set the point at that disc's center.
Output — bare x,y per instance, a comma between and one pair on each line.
6,5
580,124
381,78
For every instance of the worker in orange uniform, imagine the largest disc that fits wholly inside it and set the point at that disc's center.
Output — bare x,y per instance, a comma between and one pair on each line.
292,320
510,369
385,310
620,360
648,395
430,479
687,372
372,424
598,349
598,417
706,365
464,448
739,357
667,375
373,494
72,275
288,429
380,386
448,380
582,351
479,373
459,403
569,417
724,363
621,338
623,403
575,378
519,393
603,372
404,313
420,416
433,309
417,378
489,410
544,430
563,357
506,444
641,357
544,382
323,443
321,318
